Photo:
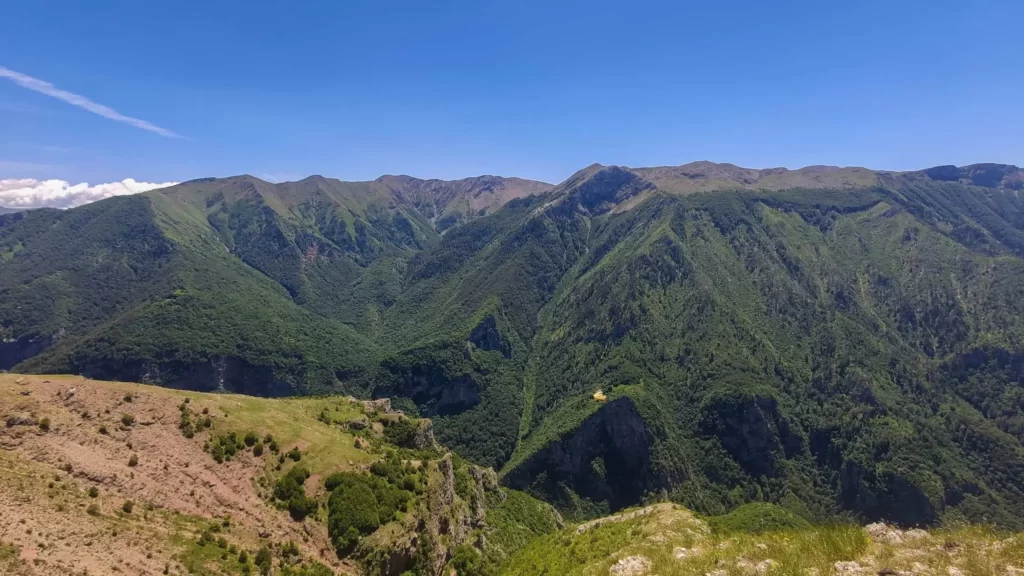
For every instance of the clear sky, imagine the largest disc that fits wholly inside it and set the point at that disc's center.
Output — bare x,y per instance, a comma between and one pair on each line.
535,88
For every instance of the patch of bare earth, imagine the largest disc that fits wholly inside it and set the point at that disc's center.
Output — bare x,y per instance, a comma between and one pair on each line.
176,487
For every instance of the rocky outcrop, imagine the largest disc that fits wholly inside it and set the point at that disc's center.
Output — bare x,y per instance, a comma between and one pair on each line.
605,459
486,336
752,431
444,520
17,350
217,374
435,393
891,497
424,436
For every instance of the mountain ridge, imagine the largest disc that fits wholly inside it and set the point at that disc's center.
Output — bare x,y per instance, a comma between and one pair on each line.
836,340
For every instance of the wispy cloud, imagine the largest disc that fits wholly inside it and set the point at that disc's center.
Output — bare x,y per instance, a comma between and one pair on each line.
82,102
31,193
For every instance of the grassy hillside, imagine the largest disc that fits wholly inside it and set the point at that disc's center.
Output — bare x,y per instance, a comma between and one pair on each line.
669,540
108,477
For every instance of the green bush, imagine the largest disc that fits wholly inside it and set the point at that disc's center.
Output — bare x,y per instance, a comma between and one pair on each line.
466,560
94,492
128,398
757,517
289,489
44,424
294,454
352,513
401,433
133,461
300,506
128,506
93,510
251,438
291,484
127,419
263,557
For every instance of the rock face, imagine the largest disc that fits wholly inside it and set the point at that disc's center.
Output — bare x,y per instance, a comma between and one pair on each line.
424,437
435,393
486,336
752,431
15,350
605,459
444,520
217,374
889,497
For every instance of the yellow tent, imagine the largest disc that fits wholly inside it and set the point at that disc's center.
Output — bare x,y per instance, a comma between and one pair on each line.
599,396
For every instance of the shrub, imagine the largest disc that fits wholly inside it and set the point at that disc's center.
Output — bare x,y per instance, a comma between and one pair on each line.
222,542
128,506
352,513
263,557
206,538
243,557
466,560
758,517
291,484
289,549
103,430
335,480
94,492
401,433
251,438
128,398
217,452
300,506
93,510
257,450
133,461
44,424
274,447
295,455
127,419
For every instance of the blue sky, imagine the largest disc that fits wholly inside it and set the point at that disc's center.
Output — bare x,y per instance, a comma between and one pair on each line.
530,88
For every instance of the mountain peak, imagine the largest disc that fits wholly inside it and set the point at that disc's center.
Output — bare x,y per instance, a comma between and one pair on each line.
597,188
988,175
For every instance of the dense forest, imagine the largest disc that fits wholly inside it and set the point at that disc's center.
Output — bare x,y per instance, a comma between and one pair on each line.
841,342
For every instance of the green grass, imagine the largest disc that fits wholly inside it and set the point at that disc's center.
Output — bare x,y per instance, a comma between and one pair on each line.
659,535
292,422
756,518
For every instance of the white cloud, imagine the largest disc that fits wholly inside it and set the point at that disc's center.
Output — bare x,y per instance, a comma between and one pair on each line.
31,193
82,102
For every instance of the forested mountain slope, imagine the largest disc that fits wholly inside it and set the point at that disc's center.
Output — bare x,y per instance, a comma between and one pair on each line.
838,341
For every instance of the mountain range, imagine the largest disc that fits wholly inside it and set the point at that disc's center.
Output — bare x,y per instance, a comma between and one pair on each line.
842,342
